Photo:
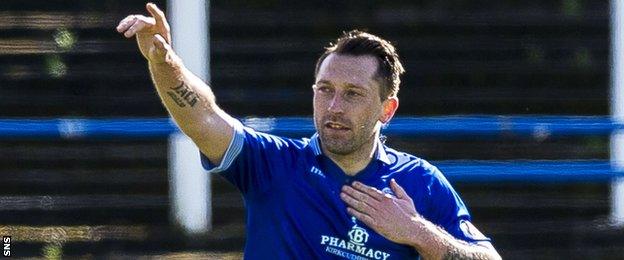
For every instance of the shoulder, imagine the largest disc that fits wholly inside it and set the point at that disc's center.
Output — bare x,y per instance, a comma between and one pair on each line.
432,193
269,141
410,165
414,172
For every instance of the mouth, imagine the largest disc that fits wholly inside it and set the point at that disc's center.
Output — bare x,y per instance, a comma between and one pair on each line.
336,126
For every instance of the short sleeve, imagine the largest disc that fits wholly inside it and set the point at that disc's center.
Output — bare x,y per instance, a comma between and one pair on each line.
254,160
234,148
449,211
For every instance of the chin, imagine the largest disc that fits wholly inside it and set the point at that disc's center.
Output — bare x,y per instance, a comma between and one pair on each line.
342,148
339,150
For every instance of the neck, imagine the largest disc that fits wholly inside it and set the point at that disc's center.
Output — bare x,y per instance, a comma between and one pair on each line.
356,161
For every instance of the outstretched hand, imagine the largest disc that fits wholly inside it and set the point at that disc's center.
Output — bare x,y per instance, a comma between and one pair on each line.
386,214
153,33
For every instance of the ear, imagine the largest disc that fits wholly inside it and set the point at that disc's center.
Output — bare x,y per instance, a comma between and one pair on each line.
390,106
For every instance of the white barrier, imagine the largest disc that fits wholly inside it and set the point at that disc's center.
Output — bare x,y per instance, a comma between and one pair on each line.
617,109
190,185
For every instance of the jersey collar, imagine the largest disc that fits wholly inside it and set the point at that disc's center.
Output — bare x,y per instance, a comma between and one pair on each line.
380,153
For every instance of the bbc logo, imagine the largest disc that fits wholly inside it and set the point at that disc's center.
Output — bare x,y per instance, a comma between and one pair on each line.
6,240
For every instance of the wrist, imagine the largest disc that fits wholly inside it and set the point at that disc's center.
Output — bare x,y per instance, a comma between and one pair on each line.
166,63
415,232
171,70
169,59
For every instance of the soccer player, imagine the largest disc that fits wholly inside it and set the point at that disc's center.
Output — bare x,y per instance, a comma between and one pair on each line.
339,194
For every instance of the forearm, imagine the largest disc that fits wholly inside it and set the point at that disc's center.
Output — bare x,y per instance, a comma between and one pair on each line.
432,242
187,99
191,103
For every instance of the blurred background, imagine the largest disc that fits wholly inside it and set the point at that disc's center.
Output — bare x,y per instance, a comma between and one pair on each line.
108,197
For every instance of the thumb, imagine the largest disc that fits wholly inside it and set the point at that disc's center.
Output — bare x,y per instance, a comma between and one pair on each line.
160,42
398,190
160,49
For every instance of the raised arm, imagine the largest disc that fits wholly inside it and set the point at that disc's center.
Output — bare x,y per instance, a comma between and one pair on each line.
188,99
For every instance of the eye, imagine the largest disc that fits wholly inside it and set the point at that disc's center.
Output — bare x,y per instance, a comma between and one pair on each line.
352,93
323,88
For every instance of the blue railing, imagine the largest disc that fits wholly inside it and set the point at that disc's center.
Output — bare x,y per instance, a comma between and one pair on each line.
446,126
441,126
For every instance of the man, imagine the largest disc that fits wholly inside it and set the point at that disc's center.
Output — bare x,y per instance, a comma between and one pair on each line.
341,193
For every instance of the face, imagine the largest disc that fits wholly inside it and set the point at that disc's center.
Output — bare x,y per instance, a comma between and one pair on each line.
347,107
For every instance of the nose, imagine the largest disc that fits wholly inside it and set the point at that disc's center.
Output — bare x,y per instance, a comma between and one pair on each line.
335,105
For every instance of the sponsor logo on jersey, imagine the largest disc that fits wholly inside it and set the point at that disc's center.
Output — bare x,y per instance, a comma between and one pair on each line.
355,248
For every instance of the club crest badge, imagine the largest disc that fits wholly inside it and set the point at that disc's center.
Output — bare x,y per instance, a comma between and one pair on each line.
357,234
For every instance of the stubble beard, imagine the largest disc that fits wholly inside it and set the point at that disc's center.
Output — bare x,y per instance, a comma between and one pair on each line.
345,146
339,146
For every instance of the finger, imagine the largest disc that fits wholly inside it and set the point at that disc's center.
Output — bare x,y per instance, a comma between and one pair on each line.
149,21
398,190
371,191
358,195
158,15
353,202
140,23
125,23
136,27
155,12
367,219
161,20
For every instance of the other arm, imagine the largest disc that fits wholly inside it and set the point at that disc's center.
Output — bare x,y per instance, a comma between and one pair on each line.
396,219
186,97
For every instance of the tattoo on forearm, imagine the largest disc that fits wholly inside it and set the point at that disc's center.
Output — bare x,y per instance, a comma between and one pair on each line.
182,95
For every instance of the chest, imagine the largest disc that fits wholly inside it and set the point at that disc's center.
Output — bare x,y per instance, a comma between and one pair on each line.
310,201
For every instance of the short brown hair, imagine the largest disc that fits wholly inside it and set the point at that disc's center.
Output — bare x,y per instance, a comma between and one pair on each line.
357,43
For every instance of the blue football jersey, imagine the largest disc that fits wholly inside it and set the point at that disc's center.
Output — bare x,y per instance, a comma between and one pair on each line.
294,211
